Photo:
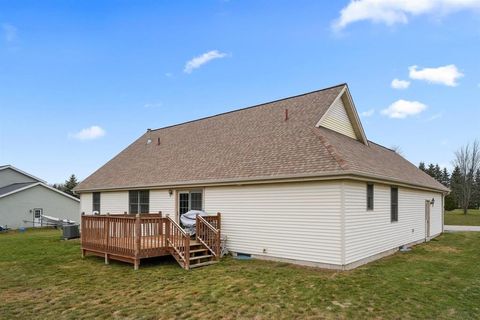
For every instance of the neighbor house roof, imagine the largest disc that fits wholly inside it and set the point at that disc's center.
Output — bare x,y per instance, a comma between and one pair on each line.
8,166
262,142
18,187
14,187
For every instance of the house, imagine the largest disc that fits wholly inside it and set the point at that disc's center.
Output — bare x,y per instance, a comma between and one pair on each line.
24,199
295,180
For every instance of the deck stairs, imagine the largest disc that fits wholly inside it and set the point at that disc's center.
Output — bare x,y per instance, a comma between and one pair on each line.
200,256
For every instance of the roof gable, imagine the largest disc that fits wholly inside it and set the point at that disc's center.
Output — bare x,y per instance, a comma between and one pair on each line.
9,175
342,117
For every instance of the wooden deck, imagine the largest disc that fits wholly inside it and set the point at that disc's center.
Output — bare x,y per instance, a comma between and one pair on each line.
131,238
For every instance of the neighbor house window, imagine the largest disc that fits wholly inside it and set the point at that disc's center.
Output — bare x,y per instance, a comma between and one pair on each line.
369,196
394,204
139,201
96,202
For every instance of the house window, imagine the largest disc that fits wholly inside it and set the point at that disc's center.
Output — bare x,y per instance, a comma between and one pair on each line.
394,204
369,196
96,202
190,200
139,201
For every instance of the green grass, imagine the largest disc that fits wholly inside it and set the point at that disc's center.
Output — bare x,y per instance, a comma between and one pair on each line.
456,217
43,277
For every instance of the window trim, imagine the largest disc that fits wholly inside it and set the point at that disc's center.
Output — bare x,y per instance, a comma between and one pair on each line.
372,207
99,201
138,202
189,192
393,205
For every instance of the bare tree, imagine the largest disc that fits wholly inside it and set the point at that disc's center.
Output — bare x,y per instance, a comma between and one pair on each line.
467,158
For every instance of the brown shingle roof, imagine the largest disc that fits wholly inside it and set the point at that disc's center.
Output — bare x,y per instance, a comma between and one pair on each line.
250,143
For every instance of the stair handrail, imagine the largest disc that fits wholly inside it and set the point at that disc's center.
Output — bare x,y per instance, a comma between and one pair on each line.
208,235
179,240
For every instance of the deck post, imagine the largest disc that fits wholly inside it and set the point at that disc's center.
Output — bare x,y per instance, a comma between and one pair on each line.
187,251
137,243
219,237
107,235
82,233
167,231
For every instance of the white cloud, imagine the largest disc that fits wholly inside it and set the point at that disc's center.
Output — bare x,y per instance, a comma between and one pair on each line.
400,84
391,12
200,60
435,116
401,109
10,32
152,105
446,75
367,113
91,133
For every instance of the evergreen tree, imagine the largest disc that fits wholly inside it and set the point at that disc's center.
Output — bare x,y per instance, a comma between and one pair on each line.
421,166
68,186
438,173
455,182
431,170
476,191
445,178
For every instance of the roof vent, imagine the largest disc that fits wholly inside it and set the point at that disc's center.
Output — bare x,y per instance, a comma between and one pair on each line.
149,139
286,114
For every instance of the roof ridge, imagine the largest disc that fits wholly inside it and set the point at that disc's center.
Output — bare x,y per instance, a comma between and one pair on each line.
251,107
332,150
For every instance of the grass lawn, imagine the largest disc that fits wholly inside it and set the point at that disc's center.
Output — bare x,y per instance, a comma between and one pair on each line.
456,217
42,277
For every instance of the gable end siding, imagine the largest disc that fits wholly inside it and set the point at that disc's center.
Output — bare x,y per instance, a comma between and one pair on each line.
336,119
9,176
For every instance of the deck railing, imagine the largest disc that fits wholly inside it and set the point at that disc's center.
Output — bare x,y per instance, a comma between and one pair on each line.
131,238
179,241
124,237
209,235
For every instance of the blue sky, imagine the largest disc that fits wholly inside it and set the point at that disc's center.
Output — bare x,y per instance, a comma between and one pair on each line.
122,67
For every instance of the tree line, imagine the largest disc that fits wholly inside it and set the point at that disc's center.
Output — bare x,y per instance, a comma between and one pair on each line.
463,181
68,186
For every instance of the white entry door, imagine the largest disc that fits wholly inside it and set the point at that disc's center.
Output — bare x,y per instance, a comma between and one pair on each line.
37,217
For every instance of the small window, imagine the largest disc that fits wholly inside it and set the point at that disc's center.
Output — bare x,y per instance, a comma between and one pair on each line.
139,201
369,196
37,213
394,204
96,202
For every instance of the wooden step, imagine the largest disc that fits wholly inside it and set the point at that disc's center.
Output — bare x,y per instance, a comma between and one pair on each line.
201,257
196,265
198,250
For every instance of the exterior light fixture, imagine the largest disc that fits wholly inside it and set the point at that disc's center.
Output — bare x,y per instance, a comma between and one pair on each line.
432,202
170,192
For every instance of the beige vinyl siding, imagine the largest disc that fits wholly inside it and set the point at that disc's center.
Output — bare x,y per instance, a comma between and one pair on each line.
336,118
160,200
371,232
300,221
86,203
114,202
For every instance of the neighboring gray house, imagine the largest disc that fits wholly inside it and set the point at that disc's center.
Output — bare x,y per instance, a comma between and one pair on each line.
25,198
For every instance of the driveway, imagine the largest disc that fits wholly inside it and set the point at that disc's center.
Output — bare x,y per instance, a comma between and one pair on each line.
461,228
